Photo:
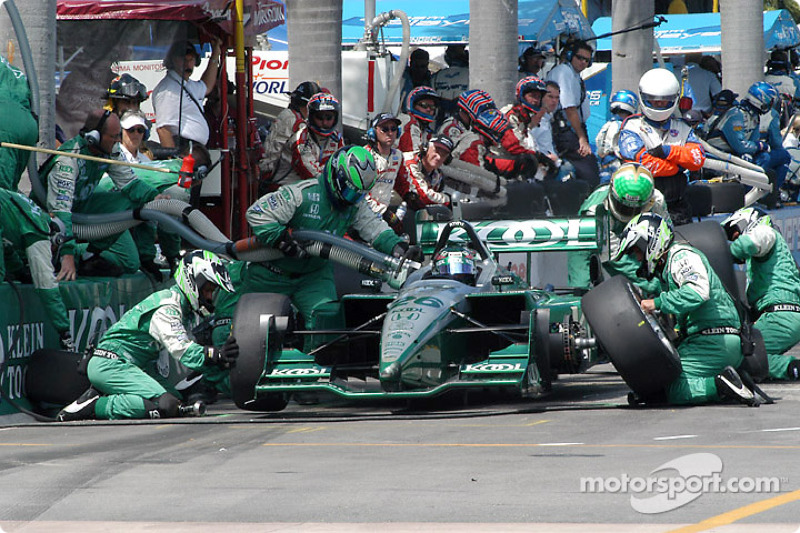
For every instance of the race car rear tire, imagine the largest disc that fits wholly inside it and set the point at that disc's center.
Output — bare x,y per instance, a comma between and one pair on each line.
52,377
250,331
636,343
709,237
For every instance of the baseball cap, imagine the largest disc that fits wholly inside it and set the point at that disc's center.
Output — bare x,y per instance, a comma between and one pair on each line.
132,119
444,141
383,117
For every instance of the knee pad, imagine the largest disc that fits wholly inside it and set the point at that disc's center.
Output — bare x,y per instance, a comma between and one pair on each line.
164,406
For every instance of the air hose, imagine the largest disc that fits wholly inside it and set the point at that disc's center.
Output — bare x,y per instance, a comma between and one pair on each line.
475,176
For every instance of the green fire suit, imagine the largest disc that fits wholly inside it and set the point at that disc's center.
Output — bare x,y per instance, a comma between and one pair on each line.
707,319
309,281
773,280
23,226
72,188
126,374
596,205
18,126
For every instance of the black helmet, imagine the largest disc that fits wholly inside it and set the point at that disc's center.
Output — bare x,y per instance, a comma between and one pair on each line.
303,93
126,87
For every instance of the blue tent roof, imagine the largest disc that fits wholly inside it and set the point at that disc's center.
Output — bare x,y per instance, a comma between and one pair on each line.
447,21
702,32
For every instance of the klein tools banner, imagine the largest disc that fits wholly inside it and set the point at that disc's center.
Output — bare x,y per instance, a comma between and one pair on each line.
92,306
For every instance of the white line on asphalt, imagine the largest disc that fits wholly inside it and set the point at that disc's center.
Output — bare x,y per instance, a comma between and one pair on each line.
560,444
780,429
675,437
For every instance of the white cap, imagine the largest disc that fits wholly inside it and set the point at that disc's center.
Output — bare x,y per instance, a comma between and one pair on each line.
132,118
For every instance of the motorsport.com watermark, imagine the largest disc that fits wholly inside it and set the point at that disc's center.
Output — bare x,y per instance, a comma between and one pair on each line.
683,480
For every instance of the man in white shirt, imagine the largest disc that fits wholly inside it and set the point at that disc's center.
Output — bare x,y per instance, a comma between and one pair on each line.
178,100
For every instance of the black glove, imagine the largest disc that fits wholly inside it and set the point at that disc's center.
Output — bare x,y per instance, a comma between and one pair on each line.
658,152
224,357
400,249
149,267
394,221
289,246
525,165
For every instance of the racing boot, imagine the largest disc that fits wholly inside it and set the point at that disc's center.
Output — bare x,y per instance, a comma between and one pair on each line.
80,409
730,386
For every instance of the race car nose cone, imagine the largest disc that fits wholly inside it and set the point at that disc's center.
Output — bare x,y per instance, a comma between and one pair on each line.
391,372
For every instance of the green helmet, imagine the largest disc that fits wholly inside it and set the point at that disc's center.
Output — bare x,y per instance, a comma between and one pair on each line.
744,219
195,270
349,174
650,234
630,191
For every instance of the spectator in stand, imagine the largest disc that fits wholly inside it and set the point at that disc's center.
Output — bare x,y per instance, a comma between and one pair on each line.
178,100
451,81
456,128
316,140
277,160
705,83
419,123
135,130
667,146
381,138
424,181
531,62
71,185
416,74
125,93
569,126
19,125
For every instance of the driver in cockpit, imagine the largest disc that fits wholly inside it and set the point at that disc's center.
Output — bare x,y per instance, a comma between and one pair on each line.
456,263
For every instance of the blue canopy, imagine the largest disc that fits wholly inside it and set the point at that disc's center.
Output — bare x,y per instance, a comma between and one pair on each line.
702,32
447,21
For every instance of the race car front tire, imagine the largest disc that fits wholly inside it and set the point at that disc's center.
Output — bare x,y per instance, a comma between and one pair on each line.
636,343
255,315
52,377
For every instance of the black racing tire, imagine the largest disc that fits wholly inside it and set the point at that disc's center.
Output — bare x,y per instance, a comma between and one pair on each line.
709,237
727,197
636,342
52,377
757,363
250,329
541,343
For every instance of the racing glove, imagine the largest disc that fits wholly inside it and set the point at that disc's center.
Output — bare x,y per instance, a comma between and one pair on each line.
394,221
407,252
762,146
525,165
746,157
224,357
289,246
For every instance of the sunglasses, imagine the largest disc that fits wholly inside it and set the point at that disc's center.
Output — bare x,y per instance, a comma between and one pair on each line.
388,129
426,105
585,59
325,116
140,130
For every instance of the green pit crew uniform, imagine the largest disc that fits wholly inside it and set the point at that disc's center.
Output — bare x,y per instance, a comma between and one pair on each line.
773,291
24,226
123,367
18,126
308,281
72,188
596,205
165,183
707,319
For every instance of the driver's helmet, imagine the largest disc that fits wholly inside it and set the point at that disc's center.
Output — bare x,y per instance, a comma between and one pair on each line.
457,263
659,92
126,87
744,219
474,101
630,190
526,85
323,102
761,95
624,100
652,235
492,124
422,93
195,270
349,174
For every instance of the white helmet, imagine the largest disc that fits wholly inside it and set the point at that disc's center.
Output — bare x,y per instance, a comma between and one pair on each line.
659,92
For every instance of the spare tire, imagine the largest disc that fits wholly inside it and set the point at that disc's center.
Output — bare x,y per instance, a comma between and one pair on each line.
709,237
255,315
52,377
635,341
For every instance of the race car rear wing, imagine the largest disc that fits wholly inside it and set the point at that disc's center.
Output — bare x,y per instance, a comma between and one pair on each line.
537,235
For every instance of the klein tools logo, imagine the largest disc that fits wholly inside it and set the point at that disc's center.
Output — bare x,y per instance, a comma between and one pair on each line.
678,482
